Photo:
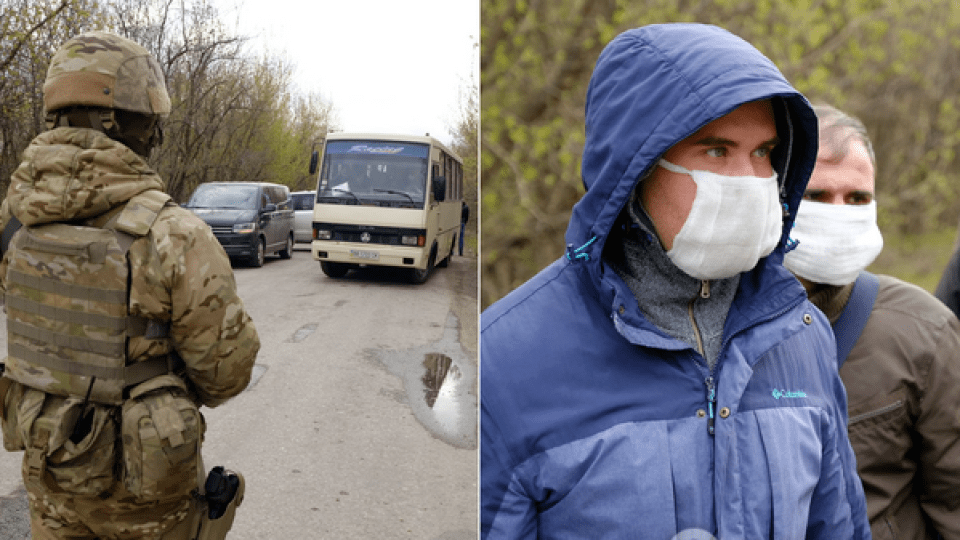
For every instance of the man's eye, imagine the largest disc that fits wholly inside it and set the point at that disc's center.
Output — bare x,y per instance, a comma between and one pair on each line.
718,151
860,198
762,152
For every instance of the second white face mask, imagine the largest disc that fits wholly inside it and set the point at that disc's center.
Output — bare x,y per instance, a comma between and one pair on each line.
836,241
733,223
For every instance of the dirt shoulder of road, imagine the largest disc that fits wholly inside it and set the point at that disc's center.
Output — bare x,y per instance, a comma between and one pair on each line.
465,305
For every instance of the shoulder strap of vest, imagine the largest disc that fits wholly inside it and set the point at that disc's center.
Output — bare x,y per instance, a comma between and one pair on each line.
134,221
140,213
855,314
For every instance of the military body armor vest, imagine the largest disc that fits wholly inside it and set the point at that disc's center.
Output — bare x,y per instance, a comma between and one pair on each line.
67,301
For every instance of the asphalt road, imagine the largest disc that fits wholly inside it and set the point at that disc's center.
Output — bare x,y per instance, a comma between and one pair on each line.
360,421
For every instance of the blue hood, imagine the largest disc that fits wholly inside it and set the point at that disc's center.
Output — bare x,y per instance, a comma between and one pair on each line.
653,87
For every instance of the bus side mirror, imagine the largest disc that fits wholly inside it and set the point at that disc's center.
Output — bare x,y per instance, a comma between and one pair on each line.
439,188
314,160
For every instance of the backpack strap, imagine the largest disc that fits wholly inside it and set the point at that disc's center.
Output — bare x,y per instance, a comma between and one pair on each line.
855,314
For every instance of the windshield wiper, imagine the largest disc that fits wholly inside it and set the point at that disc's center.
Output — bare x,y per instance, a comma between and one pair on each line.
407,195
348,192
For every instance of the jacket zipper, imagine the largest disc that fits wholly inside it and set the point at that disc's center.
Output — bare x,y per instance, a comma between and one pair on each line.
704,293
710,382
878,412
711,387
711,403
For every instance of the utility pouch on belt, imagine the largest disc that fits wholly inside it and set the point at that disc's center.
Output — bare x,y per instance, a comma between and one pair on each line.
58,455
162,429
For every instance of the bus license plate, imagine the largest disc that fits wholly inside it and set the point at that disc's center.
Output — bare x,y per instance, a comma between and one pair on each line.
368,255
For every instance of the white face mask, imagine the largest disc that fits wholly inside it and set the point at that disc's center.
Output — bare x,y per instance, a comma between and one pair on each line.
836,241
734,221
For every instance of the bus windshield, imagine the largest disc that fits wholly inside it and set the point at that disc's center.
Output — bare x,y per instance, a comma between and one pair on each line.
380,173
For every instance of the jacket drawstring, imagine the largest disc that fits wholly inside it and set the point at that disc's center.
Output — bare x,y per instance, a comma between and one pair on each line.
577,253
791,244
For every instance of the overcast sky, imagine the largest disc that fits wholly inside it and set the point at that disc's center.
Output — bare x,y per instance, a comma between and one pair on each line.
386,66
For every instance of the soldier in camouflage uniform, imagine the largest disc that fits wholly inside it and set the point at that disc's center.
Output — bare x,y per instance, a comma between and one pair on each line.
104,98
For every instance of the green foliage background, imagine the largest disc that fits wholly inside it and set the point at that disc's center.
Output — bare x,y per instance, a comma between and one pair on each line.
894,64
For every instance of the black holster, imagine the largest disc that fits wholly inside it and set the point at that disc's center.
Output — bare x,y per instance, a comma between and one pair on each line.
220,488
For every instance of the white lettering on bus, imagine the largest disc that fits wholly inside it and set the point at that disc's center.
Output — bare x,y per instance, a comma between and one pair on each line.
364,149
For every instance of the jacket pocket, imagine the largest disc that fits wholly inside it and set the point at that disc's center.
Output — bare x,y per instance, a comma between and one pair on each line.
162,430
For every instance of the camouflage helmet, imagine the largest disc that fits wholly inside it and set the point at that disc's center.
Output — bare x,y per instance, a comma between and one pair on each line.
97,69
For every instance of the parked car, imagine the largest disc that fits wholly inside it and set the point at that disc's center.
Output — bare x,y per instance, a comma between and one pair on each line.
250,219
303,215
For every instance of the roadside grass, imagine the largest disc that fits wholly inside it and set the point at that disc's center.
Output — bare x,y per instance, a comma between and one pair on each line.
917,258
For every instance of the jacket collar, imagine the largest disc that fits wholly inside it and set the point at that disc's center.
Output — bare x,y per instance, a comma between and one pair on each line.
830,299
76,173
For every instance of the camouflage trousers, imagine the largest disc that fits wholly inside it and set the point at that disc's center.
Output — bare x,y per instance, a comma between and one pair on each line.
62,516
56,514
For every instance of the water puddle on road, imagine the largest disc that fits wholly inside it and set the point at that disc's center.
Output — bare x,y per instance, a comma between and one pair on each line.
437,368
440,383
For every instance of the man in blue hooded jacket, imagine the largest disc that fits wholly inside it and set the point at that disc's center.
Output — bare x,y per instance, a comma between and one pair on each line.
667,378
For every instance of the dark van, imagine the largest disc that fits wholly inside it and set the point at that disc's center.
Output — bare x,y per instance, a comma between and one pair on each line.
250,219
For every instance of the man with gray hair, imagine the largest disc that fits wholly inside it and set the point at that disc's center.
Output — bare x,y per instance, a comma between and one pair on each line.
898,347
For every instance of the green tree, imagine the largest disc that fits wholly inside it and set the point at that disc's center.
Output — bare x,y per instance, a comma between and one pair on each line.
466,140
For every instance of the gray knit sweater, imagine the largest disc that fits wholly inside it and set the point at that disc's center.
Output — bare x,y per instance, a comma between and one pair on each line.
667,296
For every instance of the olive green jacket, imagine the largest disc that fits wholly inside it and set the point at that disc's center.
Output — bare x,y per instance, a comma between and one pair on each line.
903,386
180,273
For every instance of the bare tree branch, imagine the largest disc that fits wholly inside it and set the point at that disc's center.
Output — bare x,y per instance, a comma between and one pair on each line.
26,37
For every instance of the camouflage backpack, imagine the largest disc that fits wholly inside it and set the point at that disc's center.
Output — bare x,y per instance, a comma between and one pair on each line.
66,300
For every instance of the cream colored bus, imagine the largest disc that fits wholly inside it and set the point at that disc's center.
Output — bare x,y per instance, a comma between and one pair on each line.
388,200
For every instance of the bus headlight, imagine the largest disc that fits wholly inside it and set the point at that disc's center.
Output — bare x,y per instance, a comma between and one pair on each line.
323,234
413,240
244,228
